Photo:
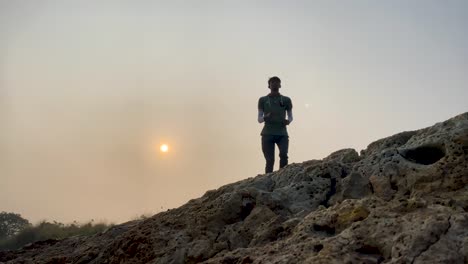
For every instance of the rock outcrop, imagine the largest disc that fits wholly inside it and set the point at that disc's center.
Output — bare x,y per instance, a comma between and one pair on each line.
404,199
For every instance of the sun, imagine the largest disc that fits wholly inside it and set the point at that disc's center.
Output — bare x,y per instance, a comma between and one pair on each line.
164,148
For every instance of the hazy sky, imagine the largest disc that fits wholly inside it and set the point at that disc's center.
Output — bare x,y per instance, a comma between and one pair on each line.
90,89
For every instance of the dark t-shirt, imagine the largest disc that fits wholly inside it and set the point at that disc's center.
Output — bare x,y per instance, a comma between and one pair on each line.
277,105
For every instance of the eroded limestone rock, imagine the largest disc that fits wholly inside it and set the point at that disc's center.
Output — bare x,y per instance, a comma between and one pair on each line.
404,199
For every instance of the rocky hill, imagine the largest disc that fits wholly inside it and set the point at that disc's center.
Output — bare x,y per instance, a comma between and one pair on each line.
404,199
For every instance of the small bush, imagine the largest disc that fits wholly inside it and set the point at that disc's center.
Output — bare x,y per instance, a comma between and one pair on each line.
47,230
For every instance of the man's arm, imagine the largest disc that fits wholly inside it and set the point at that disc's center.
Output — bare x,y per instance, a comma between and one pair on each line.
290,115
260,116
289,111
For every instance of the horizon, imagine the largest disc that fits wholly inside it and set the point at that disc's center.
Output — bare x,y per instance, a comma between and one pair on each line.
90,93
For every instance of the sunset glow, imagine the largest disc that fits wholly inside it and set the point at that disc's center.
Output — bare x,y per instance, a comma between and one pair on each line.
164,148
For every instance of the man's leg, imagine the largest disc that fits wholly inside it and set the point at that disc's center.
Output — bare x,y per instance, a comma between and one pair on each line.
283,145
268,148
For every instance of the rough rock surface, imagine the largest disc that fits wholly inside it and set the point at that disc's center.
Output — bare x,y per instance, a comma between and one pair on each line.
404,199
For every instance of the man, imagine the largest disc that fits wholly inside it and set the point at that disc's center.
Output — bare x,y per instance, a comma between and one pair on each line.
272,110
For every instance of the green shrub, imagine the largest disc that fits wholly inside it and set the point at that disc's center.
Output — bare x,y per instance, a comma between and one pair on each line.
47,230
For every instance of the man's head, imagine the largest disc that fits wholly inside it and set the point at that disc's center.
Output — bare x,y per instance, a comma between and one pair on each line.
274,83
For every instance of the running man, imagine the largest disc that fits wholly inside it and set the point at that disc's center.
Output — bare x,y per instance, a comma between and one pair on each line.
272,110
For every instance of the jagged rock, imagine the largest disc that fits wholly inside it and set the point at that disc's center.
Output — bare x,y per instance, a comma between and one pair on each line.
344,155
404,199
355,186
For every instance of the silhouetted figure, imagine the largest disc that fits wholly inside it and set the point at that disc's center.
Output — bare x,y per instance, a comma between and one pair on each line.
272,110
